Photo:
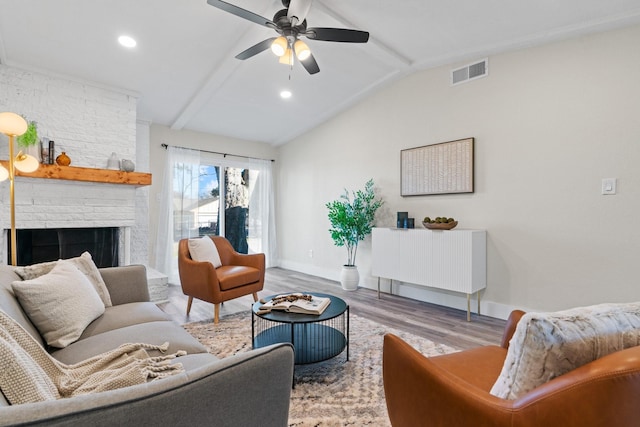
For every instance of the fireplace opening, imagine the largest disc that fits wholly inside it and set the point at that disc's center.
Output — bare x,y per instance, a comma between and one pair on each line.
50,244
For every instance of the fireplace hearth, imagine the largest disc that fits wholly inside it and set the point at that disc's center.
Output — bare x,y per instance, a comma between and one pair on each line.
50,244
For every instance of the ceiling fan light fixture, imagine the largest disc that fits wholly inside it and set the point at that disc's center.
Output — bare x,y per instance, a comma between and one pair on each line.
287,58
302,50
279,46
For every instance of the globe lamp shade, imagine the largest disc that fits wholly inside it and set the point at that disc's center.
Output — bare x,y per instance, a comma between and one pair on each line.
12,124
26,163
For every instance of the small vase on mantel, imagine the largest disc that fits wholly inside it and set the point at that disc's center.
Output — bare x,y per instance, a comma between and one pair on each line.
113,162
349,277
127,165
63,159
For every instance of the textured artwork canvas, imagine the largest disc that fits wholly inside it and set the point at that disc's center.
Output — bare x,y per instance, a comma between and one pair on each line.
443,168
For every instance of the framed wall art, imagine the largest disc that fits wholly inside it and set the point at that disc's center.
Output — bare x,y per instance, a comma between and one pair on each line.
444,168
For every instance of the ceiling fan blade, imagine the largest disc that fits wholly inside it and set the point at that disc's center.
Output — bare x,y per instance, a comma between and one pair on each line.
337,35
310,65
242,13
255,49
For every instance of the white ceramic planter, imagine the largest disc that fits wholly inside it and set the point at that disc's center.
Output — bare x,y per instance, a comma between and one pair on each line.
349,277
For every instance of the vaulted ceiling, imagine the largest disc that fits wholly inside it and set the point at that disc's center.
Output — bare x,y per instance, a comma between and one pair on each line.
184,72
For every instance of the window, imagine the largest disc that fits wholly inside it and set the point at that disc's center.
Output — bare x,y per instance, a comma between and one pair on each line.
213,195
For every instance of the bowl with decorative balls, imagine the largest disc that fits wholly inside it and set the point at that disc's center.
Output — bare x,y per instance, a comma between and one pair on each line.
439,223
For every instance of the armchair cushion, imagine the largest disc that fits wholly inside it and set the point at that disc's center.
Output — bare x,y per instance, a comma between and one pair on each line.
203,249
547,345
233,276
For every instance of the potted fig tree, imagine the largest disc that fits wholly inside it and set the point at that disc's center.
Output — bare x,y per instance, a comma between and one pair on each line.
352,218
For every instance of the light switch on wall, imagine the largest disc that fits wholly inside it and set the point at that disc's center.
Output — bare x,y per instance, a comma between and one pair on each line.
608,186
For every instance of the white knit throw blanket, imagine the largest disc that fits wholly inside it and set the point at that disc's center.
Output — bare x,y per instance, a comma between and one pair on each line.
29,374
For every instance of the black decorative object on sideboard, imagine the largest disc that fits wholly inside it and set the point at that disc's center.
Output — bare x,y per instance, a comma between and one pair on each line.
403,220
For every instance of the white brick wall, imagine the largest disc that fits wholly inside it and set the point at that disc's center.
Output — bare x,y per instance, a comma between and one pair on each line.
88,122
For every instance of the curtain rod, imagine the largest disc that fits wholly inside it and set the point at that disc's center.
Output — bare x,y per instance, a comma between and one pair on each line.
165,146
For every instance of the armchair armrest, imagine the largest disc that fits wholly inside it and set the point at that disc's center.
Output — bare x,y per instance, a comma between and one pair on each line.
229,256
601,393
126,284
510,327
249,389
417,389
198,278
248,260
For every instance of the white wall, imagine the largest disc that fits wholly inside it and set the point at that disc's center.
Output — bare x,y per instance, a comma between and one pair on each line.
200,141
549,123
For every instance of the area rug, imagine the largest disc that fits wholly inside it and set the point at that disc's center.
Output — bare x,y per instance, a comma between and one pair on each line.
335,392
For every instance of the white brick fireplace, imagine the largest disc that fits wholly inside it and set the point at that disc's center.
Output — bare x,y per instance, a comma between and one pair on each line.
88,122
44,203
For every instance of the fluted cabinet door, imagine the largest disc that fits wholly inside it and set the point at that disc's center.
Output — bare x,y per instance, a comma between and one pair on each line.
455,260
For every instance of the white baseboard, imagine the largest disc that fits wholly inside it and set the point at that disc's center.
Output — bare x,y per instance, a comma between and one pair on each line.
420,293
311,269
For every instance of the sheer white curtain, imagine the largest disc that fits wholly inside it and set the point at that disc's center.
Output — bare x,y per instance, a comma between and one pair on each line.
262,220
262,224
179,196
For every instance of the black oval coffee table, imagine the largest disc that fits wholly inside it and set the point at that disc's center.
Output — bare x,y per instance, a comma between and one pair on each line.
314,337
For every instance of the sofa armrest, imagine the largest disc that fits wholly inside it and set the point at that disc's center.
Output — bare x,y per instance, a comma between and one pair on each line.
126,284
249,389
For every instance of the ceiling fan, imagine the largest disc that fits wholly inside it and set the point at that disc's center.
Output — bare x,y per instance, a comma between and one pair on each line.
291,24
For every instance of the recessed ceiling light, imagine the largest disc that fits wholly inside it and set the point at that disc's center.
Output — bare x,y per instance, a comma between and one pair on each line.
127,41
285,94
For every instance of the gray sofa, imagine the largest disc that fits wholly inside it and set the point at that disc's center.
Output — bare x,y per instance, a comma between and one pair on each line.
250,389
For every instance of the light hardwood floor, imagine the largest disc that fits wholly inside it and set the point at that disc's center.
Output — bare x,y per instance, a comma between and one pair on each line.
439,324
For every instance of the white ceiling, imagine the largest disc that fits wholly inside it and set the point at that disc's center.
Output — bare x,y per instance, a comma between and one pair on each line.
185,74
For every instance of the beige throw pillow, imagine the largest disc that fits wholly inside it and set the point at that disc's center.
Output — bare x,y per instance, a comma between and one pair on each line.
60,304
204,249
547,345
84,263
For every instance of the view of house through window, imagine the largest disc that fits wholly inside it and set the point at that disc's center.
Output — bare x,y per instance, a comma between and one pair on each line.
200,197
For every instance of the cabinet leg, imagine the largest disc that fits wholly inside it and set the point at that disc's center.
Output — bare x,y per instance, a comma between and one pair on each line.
478,303
468,307
378,287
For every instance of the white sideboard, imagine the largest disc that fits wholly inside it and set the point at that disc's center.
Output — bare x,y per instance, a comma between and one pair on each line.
454,260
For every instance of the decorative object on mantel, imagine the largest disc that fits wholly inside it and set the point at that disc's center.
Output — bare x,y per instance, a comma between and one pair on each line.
12,125
44,150
113,163
351,221
440,223
127,165
52,152
63,159
444,168
29,140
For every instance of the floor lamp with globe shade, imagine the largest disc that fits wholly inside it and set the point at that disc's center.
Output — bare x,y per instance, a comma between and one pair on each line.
12,125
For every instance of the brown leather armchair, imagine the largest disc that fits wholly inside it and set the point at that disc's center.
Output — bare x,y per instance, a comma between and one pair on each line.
239,275
453,389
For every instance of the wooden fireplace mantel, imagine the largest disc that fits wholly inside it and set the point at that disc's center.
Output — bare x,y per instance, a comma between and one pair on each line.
75,173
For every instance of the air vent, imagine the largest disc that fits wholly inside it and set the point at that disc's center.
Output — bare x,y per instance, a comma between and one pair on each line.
470,72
